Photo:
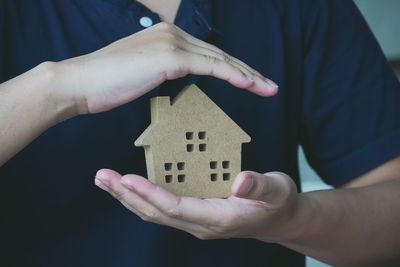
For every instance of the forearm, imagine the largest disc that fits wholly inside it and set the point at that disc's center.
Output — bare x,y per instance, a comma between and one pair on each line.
350,227
30,104
110,77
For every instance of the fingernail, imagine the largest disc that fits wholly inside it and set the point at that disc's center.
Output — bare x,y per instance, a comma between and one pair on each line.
271,83
103,178
245,187
101,184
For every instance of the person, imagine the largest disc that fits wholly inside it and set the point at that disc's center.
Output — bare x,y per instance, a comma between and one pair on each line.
337,97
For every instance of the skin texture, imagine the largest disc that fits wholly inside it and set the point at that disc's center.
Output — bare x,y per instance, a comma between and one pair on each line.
355,225
109,77
341,227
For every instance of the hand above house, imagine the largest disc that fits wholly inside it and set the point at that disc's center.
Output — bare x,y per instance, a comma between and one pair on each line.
109,77
134,65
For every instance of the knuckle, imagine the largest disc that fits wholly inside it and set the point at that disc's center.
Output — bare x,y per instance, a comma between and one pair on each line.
278,173
165,38
168,43
145,218
173,74
215,48
149,215
118,194
287,182
172,47
219,230
230,224
173,212
227,58
230,218
210,59
204,236
223,230
178,66
281,187
166,26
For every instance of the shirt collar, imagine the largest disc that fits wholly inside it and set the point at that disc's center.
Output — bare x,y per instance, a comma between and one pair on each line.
193,16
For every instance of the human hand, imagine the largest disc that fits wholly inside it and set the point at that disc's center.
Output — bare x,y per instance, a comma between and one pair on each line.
261,206
132,66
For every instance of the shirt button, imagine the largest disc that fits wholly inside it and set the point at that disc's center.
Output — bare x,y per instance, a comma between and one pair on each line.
146,22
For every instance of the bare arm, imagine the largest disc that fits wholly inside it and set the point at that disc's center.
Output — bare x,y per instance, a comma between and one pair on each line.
357,225
30,105
110,77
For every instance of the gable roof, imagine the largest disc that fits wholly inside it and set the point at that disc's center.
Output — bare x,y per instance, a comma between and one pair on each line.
190,104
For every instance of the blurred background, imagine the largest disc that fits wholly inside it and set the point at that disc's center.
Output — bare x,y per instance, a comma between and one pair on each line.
383,17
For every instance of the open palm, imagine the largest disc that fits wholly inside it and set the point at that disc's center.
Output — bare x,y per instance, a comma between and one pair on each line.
259,205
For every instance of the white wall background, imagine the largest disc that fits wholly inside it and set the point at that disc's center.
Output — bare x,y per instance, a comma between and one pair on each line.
383,16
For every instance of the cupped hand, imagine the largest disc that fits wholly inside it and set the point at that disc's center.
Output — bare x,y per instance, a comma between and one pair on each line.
132,66
261,206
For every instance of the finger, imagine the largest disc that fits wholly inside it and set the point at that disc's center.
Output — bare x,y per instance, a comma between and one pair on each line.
205,212
208,65
209,48
273,188
107,180
110,181
250,74
205,48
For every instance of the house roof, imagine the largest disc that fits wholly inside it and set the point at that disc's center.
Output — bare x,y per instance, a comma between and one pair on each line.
191,106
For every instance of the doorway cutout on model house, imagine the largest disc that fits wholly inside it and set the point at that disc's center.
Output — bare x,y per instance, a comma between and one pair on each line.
192,147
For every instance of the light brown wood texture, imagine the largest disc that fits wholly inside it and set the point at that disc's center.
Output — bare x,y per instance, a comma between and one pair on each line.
192,147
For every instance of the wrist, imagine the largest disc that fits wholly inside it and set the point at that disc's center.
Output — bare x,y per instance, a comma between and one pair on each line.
70,77
60,86
300,222
294,221
302,217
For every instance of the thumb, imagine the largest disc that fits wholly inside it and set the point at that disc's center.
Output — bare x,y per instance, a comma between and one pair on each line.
273,187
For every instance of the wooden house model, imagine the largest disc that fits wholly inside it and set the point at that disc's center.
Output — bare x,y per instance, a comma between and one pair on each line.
192,147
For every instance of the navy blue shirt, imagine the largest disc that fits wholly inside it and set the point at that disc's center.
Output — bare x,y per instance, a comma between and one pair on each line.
338,98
